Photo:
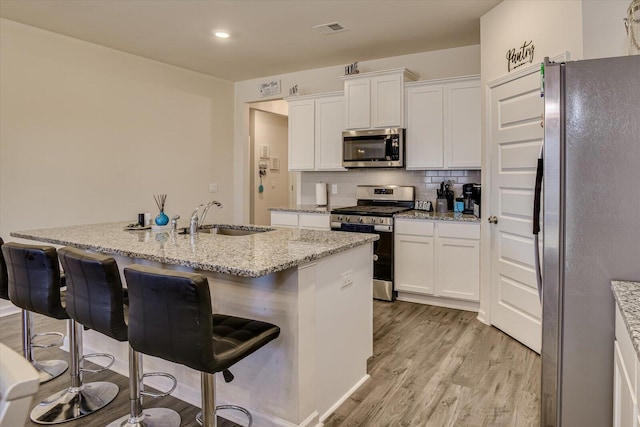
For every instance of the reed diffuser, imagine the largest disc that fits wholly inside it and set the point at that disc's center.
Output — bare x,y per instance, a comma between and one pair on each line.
162,218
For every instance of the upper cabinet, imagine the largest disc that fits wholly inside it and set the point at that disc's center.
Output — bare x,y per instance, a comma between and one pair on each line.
376,99
315,132
443,124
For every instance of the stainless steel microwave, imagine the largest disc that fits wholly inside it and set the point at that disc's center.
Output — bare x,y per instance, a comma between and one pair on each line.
375,148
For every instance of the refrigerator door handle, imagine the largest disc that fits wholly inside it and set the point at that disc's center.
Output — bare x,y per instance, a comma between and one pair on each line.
537,200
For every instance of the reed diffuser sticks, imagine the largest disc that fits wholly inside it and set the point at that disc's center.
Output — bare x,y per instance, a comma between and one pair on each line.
160,201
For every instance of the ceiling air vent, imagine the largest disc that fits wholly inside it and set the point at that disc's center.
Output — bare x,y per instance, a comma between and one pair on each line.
331,28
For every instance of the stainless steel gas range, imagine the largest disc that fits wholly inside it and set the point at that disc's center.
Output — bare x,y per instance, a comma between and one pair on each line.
373,213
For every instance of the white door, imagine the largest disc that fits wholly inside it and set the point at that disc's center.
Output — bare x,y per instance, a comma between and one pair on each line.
516,135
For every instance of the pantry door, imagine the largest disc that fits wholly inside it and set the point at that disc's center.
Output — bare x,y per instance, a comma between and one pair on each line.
515,135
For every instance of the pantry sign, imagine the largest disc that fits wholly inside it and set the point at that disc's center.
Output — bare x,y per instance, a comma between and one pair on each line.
517,57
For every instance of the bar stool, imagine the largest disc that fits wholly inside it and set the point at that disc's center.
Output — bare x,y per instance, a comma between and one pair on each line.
170,317
32,282
95,299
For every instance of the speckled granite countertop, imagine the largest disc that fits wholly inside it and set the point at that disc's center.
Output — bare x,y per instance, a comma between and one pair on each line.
450,216
627,295
252,255
302,209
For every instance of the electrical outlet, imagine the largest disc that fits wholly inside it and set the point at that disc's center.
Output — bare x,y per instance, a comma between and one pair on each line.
213,187
334,188
347,278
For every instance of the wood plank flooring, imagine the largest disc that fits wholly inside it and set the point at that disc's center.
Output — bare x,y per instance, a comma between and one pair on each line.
431,366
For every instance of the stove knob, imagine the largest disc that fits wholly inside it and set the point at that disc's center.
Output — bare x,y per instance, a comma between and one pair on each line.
339,217
347,218
381,220
360,219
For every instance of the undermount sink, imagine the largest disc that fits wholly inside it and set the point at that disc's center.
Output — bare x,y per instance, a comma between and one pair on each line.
230,231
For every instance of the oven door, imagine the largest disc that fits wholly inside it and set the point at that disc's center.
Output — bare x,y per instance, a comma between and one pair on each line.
382,258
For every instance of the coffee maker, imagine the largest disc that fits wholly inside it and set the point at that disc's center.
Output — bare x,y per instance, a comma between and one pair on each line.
471,199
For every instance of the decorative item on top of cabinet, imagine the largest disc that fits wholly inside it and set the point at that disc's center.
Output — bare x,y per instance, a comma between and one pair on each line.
315,132
375,99
443,124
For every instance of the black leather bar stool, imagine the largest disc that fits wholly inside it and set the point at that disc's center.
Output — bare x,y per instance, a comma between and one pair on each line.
170,317
95,299
32,282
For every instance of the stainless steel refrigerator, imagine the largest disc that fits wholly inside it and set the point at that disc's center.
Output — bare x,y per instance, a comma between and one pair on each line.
591,230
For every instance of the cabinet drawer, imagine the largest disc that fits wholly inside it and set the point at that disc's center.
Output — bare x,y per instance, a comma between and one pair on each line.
459,230
420,228
285,219
317,221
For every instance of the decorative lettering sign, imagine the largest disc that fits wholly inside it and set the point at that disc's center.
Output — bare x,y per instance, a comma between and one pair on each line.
517,57
269,88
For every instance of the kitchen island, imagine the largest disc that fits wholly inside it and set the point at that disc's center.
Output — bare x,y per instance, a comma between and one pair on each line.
315,285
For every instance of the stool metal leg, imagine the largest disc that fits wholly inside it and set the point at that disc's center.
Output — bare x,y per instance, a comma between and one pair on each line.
47,369
78,400
207,417
139,417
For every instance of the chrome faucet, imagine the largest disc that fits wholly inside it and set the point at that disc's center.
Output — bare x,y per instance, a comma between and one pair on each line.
194,222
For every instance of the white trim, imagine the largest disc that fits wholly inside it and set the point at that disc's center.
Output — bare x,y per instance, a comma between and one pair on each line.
8,309
438,301
344,398
443,80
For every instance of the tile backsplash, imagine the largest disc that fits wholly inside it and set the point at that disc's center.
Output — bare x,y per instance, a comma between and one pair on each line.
425,182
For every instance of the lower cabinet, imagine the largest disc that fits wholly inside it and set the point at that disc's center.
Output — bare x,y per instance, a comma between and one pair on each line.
437,262
308,221
625,372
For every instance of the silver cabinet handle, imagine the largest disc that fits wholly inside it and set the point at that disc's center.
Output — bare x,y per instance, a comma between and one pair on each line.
375,257
493,219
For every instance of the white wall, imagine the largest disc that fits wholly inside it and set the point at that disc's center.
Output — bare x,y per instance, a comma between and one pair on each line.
603,31
89,134
428,65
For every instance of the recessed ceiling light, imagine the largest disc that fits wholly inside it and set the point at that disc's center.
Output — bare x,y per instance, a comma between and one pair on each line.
221,34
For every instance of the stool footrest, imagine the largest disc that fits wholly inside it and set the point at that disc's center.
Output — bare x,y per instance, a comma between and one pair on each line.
234,407
160,374
104,368
56,343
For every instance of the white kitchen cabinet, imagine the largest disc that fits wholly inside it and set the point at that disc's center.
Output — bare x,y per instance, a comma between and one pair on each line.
625,367
303,220
443,124
414,257
463,124
424,143
315,132
376,99
438,262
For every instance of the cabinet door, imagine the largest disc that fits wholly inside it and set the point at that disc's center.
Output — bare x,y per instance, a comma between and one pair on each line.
284,219
458,271
463,131
387,101
623,404
301,135
315,221
425,127
413,259
357,95
329,125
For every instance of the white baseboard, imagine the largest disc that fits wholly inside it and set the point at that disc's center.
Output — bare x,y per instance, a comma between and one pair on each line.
7,309
439,301
340,401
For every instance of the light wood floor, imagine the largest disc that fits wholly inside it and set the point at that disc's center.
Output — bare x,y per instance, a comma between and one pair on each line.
431,366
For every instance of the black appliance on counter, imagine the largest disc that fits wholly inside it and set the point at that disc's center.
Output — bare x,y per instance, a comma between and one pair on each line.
373,213
471,197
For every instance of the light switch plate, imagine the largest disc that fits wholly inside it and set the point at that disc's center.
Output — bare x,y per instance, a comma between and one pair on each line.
334,188
213,187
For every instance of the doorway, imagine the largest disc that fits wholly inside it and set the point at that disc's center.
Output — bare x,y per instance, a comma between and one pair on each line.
269,175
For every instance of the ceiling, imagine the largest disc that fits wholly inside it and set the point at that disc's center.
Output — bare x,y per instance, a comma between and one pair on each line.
267,37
